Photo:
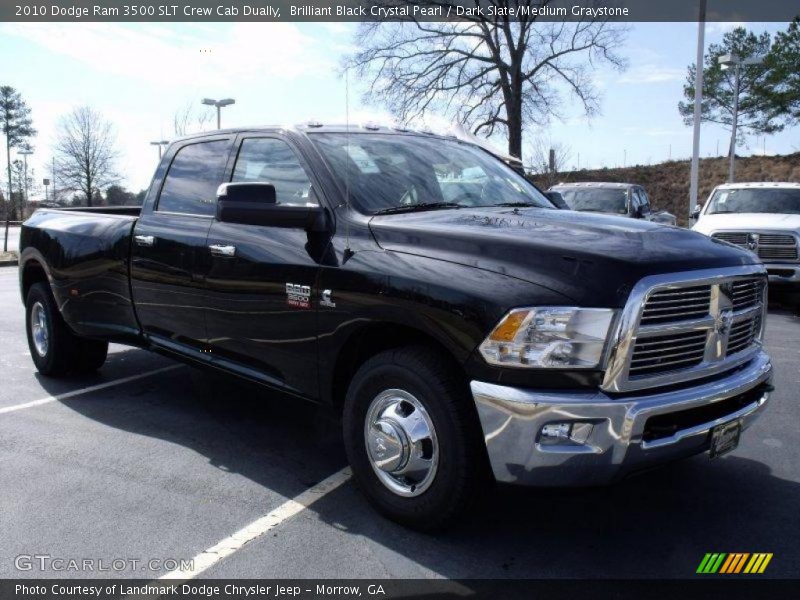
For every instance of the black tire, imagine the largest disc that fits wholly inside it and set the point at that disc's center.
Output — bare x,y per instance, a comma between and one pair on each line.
462,474
63,353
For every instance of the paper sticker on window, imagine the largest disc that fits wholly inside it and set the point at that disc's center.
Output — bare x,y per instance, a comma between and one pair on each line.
363,161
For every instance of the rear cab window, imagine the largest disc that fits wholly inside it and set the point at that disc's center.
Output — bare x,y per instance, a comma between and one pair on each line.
196,171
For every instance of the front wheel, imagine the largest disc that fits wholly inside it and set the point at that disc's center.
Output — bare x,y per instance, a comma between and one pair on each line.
412,438
55,350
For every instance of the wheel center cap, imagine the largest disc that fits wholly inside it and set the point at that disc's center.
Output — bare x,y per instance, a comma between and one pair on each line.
387,446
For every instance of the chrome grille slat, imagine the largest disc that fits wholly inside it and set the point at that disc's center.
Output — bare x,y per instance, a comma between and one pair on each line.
660,359
699,289
647,343
678,303
664,367
669,317
658,351
675,305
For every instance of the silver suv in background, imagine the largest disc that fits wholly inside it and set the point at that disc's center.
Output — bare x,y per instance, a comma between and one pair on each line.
761,217
621,199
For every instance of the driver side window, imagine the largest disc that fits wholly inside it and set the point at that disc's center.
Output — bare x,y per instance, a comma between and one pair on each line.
271,160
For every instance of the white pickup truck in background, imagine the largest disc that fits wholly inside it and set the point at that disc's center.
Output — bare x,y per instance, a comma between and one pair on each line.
761,217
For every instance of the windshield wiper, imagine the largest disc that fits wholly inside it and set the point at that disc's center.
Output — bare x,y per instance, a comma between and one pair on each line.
418,207
515,204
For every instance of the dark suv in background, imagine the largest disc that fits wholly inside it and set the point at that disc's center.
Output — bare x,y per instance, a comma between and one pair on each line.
622,199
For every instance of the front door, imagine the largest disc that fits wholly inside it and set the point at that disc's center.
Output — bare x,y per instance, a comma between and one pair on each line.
169,258
261,284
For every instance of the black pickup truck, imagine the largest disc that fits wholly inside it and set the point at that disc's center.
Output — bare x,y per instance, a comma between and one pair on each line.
466,330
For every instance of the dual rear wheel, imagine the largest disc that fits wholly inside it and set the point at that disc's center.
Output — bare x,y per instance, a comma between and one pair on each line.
55,349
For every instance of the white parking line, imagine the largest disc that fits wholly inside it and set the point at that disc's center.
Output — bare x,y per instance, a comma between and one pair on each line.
86,390
260,526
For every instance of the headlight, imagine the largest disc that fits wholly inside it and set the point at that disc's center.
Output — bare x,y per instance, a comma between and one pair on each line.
553,337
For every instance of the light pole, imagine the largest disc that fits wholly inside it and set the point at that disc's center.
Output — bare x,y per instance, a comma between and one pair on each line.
24,202
727,61
160,144
694,175
219,104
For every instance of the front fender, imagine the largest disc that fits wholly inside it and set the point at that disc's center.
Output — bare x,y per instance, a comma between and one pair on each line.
454,305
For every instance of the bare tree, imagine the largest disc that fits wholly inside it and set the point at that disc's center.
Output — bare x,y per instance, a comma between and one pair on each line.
85,152
17,127
188,120
547,159
490,73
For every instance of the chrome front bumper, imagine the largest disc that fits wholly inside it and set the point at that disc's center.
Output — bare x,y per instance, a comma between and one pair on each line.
512,421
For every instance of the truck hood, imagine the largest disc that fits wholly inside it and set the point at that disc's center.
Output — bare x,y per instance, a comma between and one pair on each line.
592,259
747,222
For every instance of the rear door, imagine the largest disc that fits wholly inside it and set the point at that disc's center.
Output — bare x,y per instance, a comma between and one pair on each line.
169,253
262,295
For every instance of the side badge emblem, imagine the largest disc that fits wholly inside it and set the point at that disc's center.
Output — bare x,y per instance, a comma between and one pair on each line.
327,300
298,296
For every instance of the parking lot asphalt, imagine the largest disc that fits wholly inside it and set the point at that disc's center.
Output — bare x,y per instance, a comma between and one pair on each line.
173,460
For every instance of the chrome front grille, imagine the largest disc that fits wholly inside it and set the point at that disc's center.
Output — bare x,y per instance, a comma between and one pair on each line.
768,246
685,326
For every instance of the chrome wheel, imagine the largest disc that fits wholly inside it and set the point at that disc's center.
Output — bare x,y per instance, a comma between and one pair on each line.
401,442
40,329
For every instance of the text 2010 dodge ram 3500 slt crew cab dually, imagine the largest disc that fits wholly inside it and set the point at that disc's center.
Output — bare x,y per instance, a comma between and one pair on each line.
464,327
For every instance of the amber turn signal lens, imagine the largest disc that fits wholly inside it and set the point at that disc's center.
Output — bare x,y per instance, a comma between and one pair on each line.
509,326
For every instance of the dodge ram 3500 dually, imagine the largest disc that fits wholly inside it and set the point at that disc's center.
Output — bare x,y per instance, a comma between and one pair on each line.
465,329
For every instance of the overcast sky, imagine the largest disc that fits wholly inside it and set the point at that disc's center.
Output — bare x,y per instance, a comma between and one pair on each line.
139,75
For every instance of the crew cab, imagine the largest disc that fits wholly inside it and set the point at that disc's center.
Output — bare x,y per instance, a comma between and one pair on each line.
762,217
622,199
465,329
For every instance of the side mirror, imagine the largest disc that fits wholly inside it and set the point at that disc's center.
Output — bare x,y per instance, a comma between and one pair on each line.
557,199
254,203
696,212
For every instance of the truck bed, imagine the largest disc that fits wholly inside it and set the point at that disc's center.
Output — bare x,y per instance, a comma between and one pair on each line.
85,253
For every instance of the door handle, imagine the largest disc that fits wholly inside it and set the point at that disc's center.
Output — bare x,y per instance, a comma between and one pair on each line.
222,251
144,240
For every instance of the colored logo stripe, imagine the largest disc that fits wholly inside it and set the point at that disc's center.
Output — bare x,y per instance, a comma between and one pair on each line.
734,563
721,562
711,562
758,563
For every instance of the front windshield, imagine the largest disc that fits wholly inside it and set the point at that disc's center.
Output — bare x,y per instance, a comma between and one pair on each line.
393,173
603,200
755,200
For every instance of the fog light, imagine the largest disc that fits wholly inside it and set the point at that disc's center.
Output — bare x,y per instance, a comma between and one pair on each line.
573,433
555,433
